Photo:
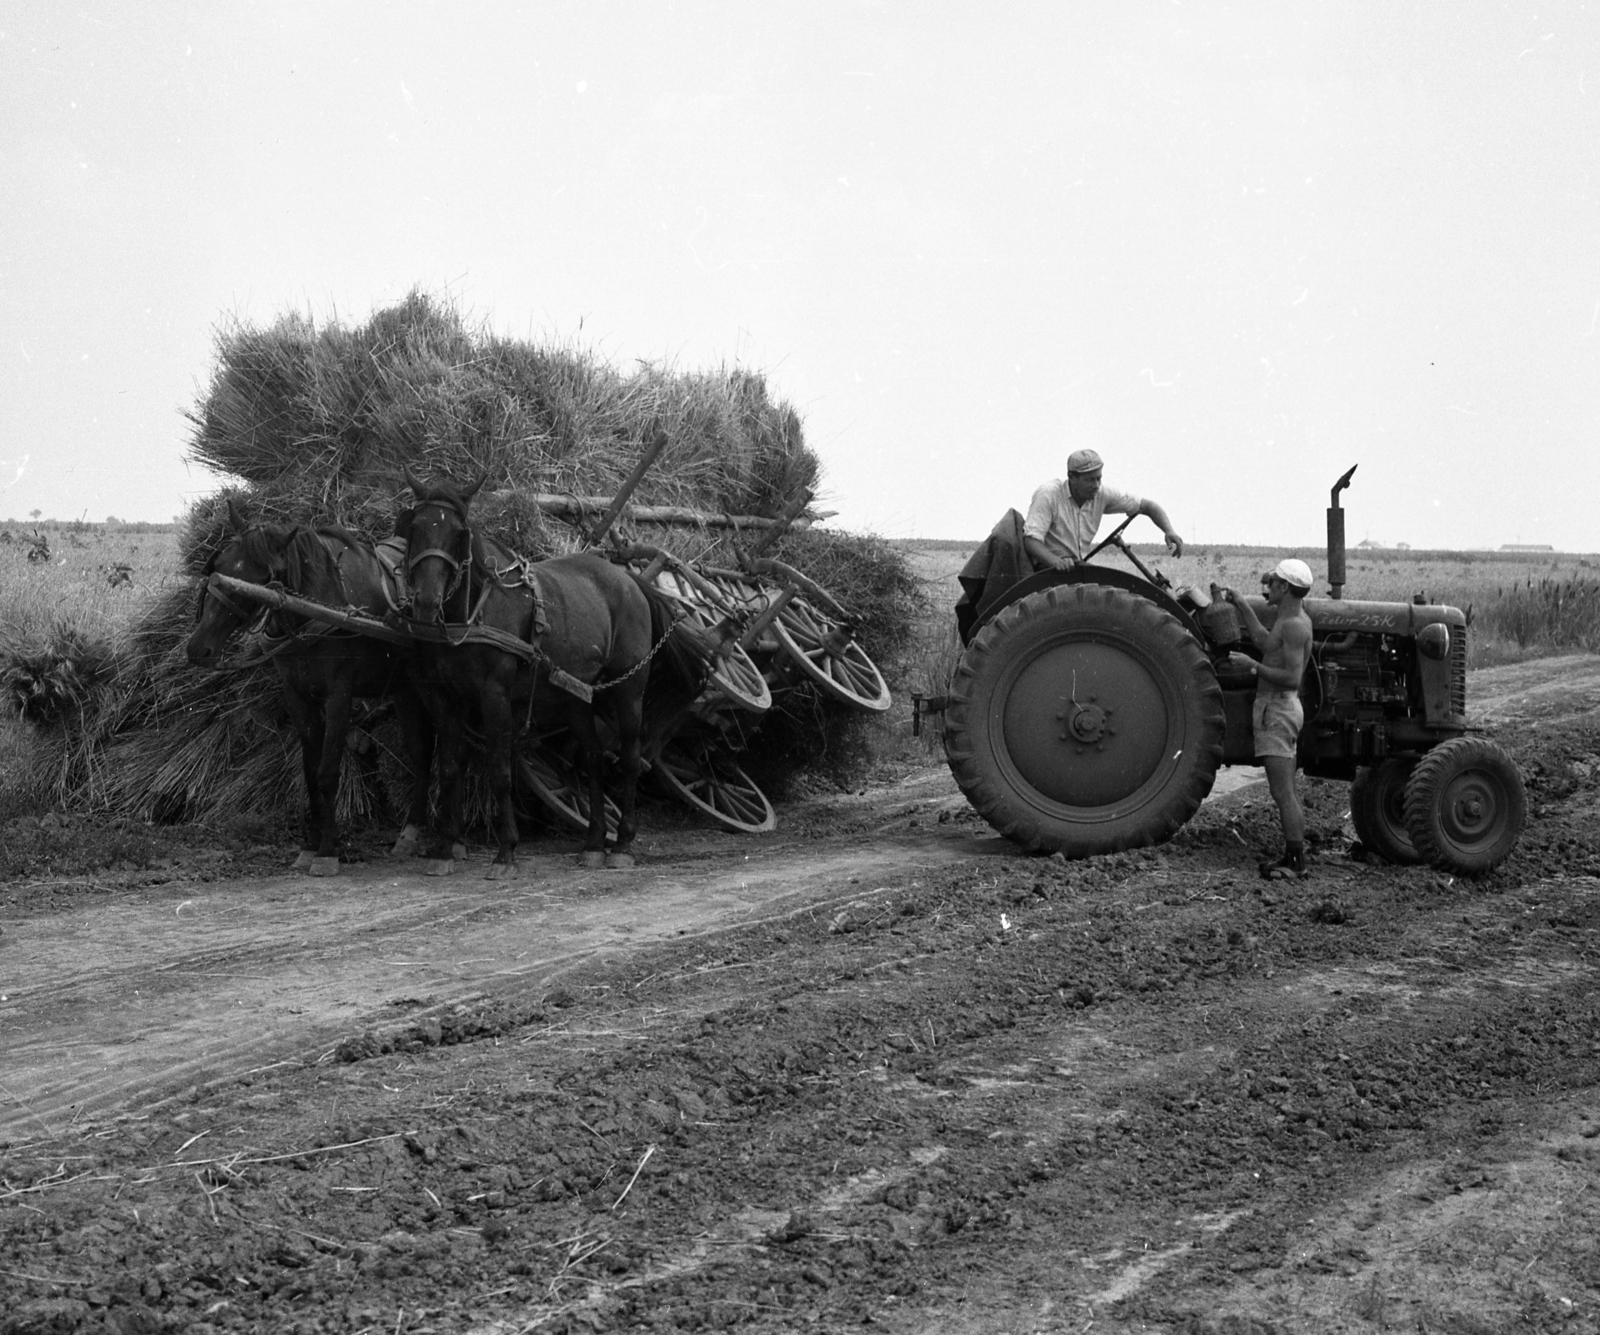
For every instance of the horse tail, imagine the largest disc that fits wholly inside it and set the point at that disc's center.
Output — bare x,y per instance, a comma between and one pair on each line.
682,662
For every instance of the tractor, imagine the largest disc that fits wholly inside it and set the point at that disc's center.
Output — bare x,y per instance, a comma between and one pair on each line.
1091,708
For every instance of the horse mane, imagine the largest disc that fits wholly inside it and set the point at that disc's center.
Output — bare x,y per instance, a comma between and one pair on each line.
262,544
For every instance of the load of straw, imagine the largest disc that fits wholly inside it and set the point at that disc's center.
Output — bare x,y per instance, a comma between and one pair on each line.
313,423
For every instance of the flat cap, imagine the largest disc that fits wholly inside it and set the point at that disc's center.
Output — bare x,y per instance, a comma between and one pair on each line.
1083,461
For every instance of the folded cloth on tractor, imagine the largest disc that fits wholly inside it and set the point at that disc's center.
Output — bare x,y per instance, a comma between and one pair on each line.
1000,562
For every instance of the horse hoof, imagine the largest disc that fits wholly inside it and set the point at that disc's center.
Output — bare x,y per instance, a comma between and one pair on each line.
458,852
439,867
619,861
500,871
324,866
304,861
405,846
591,858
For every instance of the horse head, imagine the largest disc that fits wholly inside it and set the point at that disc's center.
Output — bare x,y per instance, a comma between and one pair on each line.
257,554
438,535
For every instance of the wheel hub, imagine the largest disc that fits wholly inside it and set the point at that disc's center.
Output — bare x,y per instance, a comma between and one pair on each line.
1105,720
1469,809
1087,723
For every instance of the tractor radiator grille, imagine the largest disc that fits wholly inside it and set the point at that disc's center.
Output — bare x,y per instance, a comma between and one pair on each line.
1458,670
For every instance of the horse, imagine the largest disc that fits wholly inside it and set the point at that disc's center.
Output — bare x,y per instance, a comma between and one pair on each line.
540,644
322,669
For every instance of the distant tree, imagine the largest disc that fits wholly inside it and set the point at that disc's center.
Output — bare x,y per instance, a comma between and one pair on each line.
34,515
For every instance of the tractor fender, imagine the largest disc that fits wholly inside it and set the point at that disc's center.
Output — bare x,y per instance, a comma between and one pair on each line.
1092,574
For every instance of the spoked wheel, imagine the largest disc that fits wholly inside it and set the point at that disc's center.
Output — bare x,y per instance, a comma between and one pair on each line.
1465,805
557,783
1378,810
824,651
735,676
716,787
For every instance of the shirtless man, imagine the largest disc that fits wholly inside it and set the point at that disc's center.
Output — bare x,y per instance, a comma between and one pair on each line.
1277,716
1065,516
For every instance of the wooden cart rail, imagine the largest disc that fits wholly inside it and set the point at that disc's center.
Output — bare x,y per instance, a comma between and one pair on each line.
403,632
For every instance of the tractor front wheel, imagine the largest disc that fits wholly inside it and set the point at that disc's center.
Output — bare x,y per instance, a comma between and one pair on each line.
1378,810
1465,806
1084,719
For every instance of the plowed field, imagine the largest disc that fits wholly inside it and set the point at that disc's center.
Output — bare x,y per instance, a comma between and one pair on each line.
874,1070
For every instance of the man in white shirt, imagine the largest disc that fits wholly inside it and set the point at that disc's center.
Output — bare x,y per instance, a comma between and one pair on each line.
1065,516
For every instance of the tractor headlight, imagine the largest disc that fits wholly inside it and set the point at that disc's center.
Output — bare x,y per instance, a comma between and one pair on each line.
1434,641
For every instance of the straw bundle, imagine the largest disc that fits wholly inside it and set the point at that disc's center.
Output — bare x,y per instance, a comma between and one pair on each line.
313,423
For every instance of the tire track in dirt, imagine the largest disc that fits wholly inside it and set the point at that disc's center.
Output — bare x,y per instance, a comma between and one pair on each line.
216,980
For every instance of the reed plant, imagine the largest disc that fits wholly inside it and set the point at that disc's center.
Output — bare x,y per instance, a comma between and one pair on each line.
1545,615
65,629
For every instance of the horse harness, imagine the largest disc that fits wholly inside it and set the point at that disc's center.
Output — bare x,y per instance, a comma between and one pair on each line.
472,630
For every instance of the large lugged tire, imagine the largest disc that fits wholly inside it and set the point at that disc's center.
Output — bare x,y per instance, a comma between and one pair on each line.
1084,719
1378,810
1465,806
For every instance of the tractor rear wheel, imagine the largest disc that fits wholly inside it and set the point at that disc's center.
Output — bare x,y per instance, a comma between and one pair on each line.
1465,806
1084,719
1378,810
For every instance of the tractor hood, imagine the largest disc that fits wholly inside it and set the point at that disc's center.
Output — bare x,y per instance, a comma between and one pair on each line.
1328,614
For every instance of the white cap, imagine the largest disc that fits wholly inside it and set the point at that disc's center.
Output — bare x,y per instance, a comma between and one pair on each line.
1295,573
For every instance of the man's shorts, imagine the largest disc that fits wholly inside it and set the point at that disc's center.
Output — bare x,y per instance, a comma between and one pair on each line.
1277,718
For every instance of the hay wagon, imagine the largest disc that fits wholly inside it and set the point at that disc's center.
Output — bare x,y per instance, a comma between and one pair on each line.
776,631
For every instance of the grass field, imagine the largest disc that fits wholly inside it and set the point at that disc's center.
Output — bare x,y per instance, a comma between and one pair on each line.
65,618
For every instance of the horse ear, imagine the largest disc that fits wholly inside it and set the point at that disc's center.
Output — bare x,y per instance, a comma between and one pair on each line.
472,491
402,524
238,521
417,488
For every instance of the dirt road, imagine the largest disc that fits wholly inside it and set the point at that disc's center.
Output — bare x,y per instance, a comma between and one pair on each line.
876,1069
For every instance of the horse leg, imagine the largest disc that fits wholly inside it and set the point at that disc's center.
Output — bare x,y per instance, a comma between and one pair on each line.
591,767
335,724
307,721
416,730
449,747
452,781
499,737
630,719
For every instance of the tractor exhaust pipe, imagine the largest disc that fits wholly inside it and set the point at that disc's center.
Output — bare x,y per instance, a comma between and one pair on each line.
1336,536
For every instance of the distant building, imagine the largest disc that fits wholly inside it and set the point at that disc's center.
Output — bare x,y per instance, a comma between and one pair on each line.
1370,545
1526,547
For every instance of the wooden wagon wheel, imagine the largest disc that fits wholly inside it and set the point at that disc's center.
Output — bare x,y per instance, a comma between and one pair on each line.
555,781
713,785
826,653
735,675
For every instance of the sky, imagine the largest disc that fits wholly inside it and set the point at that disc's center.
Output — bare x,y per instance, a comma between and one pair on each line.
1235,247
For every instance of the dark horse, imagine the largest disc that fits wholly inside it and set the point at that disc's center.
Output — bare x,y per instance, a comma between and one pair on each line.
322,669
520,646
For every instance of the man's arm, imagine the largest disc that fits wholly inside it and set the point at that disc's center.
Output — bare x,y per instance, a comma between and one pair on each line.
1043,557
1040,512
1151,510
1247,615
